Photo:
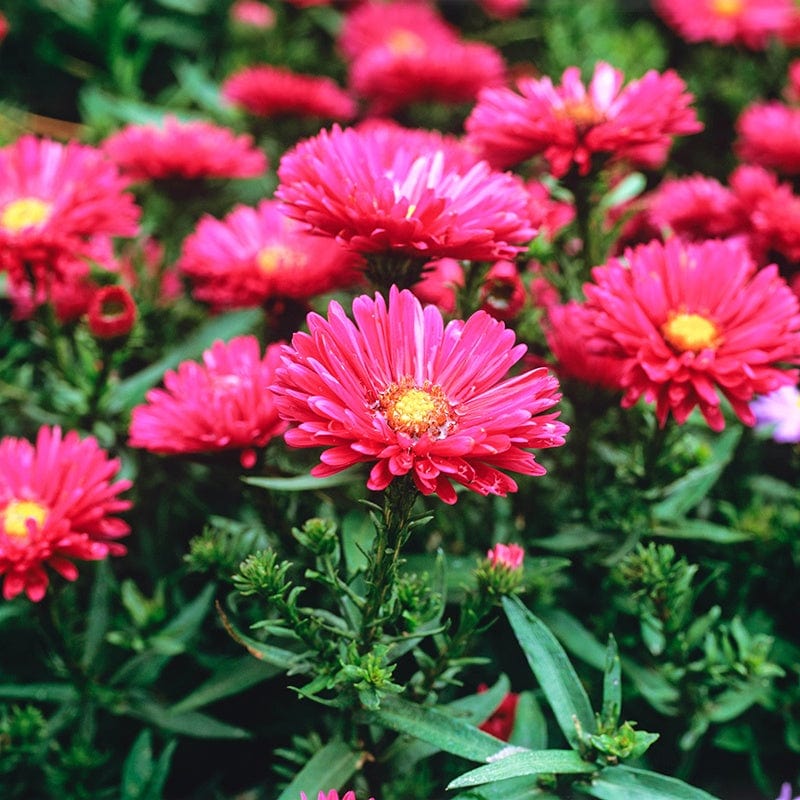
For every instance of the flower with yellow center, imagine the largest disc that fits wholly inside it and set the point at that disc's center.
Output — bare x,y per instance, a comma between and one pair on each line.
271,258
416,410
26,212
727,8
690,332
403,42
582,112
14,517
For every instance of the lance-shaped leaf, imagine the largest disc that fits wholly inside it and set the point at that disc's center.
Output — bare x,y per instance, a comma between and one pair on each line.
328,768
627,783
554,672
612,685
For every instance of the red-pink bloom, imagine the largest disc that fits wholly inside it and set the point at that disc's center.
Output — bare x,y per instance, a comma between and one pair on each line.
332,795
56,201
568,330
503,9
439,283
256,254
187,150
111,312
253,14
384,189
571,124
689,321
503,293
507,556
402,391
268,91
792,90
222,404
4,26
57,503
547,214
501,722
428,67
769,135
751,23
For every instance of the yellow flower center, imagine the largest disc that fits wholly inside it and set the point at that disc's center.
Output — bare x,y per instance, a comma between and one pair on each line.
690,332
727,8
16,514
406,43
417,410
275,256
581,112
24,213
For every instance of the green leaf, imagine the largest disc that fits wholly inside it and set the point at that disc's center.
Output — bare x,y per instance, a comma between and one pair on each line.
131,391
733,702
628,783
630,186
233,675
684,494
700,530
530,725
519,764
99,613
513,789
195,81
138,767
39,692
612,685
553,671
190,723
436,727
329,768
306,483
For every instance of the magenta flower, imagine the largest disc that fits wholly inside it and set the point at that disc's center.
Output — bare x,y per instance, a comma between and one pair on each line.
508,556
402,391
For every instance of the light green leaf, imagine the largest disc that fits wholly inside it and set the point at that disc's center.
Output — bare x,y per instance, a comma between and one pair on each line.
131,391
436,727
612,685
530,725
329,768
554,672
700,530
306,483
516,765
630,186
628,783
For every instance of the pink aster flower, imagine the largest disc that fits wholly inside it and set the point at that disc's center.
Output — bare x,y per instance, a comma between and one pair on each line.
440,281
385,189
507,556
769,135
571,124
256,254
56,201
503,293
427,67
268,91
188,150
332,795
751,23
402,391
691,321
792,90
57,503
503,9
222,404
253,14
779,413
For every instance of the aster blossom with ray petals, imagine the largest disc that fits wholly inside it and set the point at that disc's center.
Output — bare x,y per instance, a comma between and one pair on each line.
255,254
222,404
769,135
268,91
187,150
57,503
571,124
56,201
692,321
400,390
379,190
332,795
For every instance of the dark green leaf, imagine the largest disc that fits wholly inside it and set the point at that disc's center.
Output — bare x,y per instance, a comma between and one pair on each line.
191,723
99,613
39,692
627,783
530,726
329,768
612,685
701,530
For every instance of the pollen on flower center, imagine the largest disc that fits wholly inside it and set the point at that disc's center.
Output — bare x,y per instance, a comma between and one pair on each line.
416,410
403,42
24,213
581,112
727,8
690,332
15,516
272,257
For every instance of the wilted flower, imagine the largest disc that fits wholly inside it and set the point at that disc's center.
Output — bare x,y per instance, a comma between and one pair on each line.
570,124
268,91
779,413
399,389
222,404
187,150
690,320
57,503
503,293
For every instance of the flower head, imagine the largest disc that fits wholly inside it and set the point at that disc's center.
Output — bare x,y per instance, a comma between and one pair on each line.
56,201
57,503
111,312
332,795
571,124
268,91
506,556
388,190
749,22
222,404
690,321
779,413
255,254
769,135
187,150
402,391
503,294
253,14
